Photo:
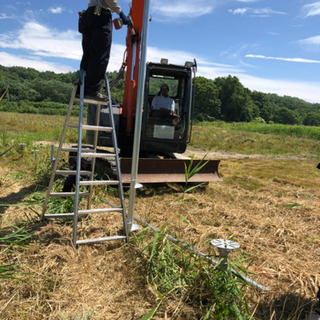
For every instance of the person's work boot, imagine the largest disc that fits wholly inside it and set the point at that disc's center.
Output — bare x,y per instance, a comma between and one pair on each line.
93,95
96,96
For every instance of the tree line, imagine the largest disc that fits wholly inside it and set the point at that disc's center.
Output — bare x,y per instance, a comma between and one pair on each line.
223,98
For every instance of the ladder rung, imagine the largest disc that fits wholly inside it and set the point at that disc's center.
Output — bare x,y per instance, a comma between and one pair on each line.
58,215
68,194
74,149
97,128
72,172
92,101
84,212
81,213
99,182
100,239
97,155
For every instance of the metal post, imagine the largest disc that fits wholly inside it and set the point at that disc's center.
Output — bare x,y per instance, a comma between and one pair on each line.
138,120
52,158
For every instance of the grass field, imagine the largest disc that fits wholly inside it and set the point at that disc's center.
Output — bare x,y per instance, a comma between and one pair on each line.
266,139
267,201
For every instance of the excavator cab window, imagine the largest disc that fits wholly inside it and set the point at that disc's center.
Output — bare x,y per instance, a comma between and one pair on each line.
166,130
166,124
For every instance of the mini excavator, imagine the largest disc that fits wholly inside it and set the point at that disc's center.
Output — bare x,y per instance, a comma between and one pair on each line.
161,137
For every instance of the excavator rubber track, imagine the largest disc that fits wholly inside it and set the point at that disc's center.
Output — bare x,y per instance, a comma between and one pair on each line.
168,171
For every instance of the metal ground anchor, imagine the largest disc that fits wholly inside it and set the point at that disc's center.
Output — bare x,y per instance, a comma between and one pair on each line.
52,158
224,247
22,147
35,153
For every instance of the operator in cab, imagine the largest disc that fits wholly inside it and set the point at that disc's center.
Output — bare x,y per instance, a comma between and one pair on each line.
162,106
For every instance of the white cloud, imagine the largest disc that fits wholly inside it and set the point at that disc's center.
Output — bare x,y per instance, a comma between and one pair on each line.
308,91
11,60
4,16
300,60
175,9
38,43
310,42
241,11
115,62
56,10
312,9
42,41
261,12
205,67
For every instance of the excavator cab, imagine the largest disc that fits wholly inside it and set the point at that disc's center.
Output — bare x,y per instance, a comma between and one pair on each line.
161,134
164,134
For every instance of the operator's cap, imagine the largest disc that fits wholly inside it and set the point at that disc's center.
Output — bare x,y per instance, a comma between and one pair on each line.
164,85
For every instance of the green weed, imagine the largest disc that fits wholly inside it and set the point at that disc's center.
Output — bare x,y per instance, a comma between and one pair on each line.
8,238
191,171
175,272
8,271
18,237
151,313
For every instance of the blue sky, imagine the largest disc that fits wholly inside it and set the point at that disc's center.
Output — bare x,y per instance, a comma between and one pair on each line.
271,46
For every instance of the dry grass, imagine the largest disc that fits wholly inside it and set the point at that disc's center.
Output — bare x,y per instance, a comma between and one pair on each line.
271,208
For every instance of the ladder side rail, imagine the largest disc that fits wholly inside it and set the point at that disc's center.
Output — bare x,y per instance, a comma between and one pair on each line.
93,161
77,189
56,161
115,146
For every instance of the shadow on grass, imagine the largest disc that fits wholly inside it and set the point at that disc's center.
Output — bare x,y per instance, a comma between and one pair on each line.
23,231
15,198
287,306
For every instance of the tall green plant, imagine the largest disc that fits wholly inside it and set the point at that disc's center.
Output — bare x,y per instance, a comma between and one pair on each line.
190,171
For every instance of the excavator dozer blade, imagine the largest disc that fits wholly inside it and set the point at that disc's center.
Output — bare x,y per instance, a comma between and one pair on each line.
168,170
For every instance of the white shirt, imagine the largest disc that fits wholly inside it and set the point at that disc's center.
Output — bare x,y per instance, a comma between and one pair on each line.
106,4
159,102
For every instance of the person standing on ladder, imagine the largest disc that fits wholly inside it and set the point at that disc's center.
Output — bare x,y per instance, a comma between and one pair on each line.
95,24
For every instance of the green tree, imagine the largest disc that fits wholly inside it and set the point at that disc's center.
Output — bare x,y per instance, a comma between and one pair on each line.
52,90
236,102
261,100
207,103
312,119
286,116
223,98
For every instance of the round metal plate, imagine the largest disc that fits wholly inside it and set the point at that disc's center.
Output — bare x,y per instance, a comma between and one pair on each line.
225,244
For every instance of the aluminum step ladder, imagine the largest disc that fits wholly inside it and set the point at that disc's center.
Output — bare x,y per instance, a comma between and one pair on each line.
82,152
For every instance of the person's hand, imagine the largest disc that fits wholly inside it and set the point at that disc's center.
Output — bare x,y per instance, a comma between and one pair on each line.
126,19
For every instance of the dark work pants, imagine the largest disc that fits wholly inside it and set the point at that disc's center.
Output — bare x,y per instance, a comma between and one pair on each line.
96,45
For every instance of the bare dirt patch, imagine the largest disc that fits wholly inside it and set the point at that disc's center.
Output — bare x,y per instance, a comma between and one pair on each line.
199,154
